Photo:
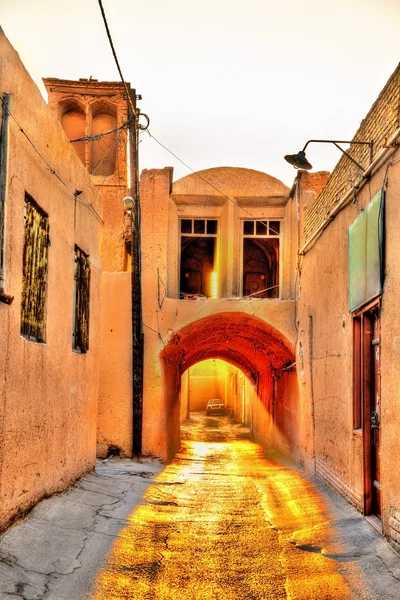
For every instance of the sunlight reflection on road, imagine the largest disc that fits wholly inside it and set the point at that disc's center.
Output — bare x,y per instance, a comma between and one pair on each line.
223,522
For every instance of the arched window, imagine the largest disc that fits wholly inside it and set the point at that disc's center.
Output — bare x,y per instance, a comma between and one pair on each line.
73,121
103,151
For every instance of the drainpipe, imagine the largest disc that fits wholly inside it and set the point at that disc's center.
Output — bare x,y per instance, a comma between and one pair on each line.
382,155
136,288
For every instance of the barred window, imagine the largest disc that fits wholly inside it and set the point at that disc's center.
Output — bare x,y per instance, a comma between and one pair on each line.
80,339
34,272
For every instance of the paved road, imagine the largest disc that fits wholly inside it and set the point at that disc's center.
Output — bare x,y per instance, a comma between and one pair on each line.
222,522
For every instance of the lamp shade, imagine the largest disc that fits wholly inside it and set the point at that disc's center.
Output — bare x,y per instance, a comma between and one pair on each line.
298,160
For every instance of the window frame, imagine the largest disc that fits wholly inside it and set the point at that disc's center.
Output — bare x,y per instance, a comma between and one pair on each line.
216,235
33,326
244,236
80,339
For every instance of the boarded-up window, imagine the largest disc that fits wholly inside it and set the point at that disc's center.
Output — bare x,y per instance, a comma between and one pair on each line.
80,340
34,271
366,254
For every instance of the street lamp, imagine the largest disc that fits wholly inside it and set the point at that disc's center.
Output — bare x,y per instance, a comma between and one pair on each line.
299,160
128,204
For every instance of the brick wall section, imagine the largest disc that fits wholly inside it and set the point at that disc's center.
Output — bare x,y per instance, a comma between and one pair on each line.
379,125
394,529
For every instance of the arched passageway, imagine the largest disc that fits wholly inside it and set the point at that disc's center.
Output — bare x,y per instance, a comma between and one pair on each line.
259,350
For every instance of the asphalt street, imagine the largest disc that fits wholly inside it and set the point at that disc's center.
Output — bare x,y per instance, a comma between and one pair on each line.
223,521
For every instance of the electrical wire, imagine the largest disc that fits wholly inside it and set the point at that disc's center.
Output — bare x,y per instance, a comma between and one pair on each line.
148,131
103,14
200,176
97,136
52,171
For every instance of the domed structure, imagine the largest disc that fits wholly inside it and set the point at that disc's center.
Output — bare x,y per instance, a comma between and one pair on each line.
245,186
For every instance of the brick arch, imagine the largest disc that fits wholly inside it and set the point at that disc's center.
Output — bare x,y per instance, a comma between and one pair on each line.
257,348
72,114
241,339
102,151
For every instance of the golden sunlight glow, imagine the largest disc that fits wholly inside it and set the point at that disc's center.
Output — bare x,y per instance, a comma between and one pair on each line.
222,521
214,285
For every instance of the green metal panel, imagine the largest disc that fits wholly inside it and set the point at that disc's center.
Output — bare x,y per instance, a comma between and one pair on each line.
366,254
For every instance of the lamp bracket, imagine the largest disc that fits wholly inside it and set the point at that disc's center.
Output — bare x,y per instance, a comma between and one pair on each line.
337,142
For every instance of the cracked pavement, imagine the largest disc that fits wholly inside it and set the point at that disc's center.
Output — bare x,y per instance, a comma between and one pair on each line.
56,551
223,521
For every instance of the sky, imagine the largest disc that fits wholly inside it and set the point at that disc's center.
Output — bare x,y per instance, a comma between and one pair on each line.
224,82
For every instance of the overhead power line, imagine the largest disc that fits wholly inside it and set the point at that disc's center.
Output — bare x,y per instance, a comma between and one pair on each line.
201,176
151,135
103,14
97,136
52,171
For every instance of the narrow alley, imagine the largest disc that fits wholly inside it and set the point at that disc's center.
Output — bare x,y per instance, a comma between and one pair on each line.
222,521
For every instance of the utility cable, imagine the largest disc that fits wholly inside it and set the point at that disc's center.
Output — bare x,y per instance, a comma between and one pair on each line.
103,14
97,136
52,171
200,176
148,131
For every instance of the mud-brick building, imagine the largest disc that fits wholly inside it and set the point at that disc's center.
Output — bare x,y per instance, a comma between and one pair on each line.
348,305
218,280
49,299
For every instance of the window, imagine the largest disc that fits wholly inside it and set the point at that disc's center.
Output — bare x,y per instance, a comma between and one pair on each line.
34,271
198,268
80,339
261,240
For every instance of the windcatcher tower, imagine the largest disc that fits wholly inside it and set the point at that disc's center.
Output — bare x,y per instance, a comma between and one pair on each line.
88,108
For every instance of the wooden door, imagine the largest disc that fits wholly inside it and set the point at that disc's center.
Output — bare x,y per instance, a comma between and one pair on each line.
375,419
371,412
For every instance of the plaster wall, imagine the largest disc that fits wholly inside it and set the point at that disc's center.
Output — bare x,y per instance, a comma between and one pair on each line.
325,353
48,398
114,426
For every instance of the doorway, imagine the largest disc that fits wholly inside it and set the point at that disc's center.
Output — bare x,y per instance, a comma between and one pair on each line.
367,404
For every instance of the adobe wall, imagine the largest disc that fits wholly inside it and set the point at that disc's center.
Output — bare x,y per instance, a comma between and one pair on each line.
334,451
48,397
114,424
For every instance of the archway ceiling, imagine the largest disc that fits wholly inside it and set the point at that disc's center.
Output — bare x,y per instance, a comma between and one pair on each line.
241,339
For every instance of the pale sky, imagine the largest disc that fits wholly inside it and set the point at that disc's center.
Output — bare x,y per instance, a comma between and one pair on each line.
224,82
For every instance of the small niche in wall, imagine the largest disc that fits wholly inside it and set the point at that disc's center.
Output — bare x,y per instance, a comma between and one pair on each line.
73,122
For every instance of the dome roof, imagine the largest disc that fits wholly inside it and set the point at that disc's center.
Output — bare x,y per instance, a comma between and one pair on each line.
246,186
